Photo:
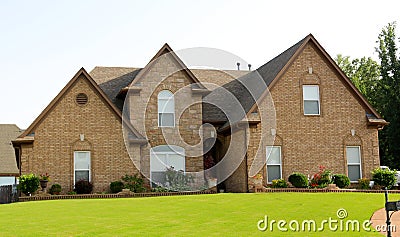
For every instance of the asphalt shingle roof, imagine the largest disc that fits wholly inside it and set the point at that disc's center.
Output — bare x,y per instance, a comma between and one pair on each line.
247,89
8,163
112,79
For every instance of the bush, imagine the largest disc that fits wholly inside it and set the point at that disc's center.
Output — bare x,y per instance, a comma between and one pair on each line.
177,180
134,183
279,183
298,180
341,180
83,187
385,178
160,189
322,178
71,193
28,183
116,186
363,183
55,189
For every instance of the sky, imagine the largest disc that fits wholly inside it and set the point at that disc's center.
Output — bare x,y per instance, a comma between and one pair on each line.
44,43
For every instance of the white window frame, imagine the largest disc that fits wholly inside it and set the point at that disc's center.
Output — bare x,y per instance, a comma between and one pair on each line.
359,164
268,151
318,100
153,155
169,98
90,165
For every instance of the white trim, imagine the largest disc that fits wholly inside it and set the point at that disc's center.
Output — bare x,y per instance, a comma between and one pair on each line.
176,150
165,98
318,99
90,165
359,164
266,163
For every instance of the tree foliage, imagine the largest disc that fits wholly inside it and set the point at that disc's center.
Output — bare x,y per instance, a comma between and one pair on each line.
389,96
28,183
380,84
364,73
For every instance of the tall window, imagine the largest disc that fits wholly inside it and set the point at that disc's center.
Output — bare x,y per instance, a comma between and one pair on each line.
82,165
274,163
311,100
353,163
166,109
163,157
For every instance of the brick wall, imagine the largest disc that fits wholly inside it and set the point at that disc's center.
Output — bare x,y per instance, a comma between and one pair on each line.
310,141
165,74
58,136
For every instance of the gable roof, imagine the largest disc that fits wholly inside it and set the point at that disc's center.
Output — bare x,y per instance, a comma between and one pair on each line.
240,87
271,72
166,49
71,83
8,163
295,53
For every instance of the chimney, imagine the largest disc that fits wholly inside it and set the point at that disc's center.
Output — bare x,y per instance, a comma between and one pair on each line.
249,65
238,64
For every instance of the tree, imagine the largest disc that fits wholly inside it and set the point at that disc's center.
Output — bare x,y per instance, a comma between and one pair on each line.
380,84
364,73
389,96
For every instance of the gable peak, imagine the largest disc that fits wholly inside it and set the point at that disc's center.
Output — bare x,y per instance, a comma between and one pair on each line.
163,50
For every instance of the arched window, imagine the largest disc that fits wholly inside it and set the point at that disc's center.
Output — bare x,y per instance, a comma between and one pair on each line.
166,109
164,157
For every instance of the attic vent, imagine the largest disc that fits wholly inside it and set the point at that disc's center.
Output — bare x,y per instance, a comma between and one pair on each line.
81,99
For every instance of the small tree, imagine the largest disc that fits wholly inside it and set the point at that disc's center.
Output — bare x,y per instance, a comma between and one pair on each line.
28,183
177,180
385,178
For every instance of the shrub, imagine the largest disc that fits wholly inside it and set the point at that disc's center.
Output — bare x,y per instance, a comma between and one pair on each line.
279,183
116,186
385,178
322,178
28,183
177,180
341,180
83,187
363,183
134,183
298,180
55,189
71,193
160,189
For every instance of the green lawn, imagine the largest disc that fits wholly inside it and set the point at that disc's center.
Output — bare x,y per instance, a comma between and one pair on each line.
200,215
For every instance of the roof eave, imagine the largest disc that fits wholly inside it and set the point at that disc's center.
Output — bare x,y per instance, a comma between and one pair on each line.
23,140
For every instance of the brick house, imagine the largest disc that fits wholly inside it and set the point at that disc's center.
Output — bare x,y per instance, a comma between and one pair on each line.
110,122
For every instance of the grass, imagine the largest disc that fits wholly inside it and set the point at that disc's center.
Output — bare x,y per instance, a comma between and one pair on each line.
201,215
